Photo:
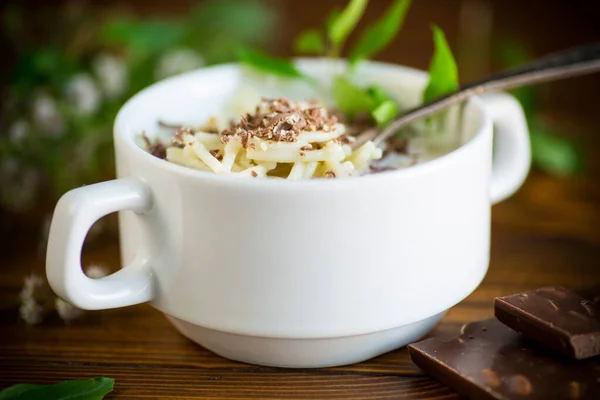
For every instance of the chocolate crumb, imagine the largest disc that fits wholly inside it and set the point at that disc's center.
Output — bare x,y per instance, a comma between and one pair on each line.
330,174
306,148
374,169
281,120
156,148
396,144
179,134
245,137
254,174
302,154
345,139
216,154
168,125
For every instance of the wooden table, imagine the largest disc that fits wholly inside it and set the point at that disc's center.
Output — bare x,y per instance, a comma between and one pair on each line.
549,233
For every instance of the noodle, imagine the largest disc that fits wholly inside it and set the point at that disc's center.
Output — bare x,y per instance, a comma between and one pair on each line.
282,139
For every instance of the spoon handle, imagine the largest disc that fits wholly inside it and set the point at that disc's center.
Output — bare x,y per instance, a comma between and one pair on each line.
565,64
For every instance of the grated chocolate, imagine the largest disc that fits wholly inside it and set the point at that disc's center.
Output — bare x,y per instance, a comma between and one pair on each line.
156,148
281,120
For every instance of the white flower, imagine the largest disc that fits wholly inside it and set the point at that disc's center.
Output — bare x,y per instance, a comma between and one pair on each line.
112,74
83,94
178,61
18,131
96,271
30,311
67,311
30,285
45,115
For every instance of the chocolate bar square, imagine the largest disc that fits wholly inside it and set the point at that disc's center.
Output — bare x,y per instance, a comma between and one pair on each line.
565,321
490,361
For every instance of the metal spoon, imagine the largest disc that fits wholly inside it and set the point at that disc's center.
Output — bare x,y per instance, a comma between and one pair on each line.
565,64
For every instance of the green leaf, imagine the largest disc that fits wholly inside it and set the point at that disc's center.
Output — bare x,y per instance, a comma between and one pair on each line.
378,94
378,35
84,389
310,42
333,15
142,37
264,62
342,24
385,112
349,98
443,73
385,107
555,155
44,66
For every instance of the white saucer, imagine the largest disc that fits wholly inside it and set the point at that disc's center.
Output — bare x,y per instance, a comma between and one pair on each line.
305,353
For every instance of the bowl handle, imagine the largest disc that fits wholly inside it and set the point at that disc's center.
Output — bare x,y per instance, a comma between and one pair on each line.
74,215
512,149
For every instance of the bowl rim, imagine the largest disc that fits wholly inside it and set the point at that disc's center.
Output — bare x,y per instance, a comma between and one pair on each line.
133,150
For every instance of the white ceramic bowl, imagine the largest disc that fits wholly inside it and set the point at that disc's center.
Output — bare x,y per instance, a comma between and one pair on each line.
293,274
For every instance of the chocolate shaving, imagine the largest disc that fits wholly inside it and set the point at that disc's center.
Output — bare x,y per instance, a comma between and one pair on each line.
396,144
375,169
216,154
169,125
281,120
156,148
344,139
179,134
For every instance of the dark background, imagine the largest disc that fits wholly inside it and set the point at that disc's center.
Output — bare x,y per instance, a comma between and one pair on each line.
542,25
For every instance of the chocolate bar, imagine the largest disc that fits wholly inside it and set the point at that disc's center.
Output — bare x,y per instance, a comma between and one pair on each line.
566,321
490,361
